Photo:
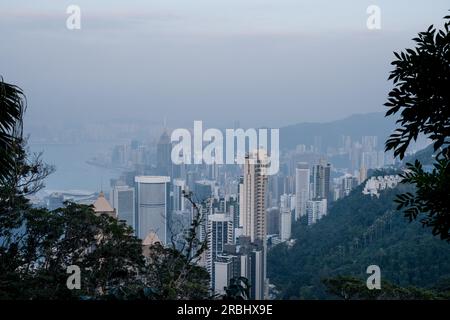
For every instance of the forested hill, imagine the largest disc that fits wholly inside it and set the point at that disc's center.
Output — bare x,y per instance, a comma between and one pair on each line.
359,231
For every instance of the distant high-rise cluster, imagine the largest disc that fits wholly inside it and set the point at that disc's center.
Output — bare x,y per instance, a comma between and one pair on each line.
245,212
233,204
312,191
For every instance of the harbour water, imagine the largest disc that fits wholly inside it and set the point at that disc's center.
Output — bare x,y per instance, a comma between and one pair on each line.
72,170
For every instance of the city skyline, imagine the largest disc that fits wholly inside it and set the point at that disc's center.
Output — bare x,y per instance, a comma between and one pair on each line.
227,150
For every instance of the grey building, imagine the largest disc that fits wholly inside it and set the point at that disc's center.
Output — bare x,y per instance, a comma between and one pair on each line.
123,201
152,206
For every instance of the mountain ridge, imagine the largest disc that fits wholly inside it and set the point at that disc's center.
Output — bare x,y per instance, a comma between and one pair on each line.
355,126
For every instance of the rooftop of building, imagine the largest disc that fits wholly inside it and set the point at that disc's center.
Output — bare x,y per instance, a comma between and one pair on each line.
101,205
152,179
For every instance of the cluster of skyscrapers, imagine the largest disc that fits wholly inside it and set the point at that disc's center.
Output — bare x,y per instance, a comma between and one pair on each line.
234,223
245,211
313,192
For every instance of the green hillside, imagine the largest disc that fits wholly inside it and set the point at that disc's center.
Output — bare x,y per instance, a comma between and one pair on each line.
359,231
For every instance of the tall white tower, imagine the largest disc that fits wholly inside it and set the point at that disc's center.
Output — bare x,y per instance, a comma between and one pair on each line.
302,182
253,211
253,201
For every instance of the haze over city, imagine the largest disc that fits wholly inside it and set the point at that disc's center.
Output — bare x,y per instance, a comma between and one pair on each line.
264,63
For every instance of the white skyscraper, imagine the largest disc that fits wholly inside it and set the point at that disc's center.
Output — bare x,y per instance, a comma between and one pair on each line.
285,224
123,200
302,183
285,201
220,232
253,196
316,209
253,210
223,273
152,206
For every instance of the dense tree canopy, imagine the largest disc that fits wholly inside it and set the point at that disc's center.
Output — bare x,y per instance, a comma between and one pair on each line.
351,288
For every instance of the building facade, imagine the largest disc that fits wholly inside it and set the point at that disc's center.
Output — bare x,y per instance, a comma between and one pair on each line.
152,206
316,210
123,200
220,233
302,184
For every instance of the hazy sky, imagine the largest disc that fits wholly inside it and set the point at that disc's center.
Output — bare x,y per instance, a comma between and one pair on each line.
263,62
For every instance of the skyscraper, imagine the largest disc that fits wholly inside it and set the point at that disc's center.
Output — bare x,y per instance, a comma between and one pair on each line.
316,210
253,216
220,232
302,182
178,200
163,155
152,206
242,259
321,181
348,183
362,174
253,266
191,177
203,190
285,224
273,221
224,266
123,201
369,143
252,210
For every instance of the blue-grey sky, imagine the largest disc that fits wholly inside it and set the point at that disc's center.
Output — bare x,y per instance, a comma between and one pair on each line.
262,62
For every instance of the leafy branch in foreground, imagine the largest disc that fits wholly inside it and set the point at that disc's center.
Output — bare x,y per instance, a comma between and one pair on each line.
431,198
422,97
239,289
421,91
12,108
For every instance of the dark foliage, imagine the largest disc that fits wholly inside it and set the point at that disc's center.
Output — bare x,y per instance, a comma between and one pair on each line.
12,108
350,288
421,91
239,289
421,96
431,197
